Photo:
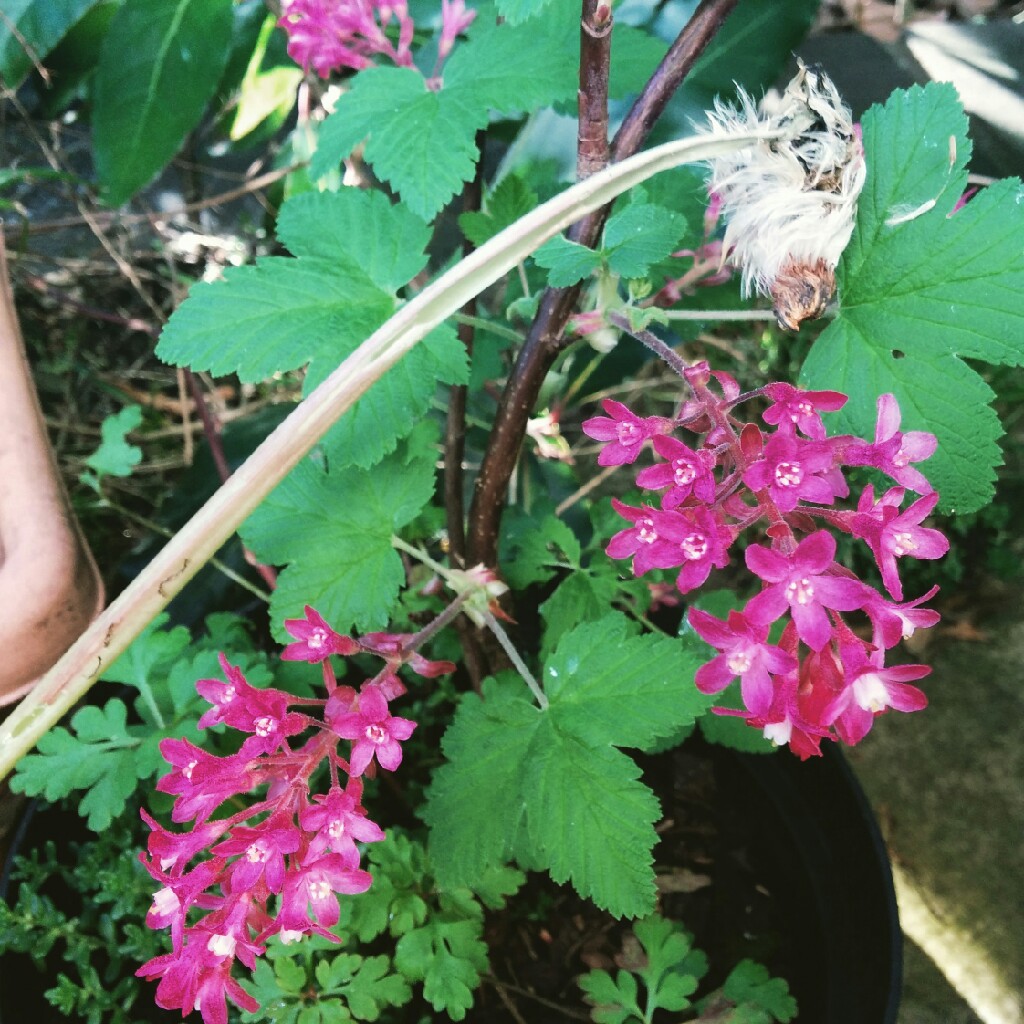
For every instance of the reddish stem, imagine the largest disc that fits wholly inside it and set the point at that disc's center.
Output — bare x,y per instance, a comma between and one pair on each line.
545,339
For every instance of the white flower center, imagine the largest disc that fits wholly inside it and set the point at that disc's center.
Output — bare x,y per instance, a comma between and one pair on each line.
317,638
628,434
164,902
319,890
257,852
694,546
903,544
336,829
739,662
778,733
227,695
683,472
265,725
645,531
221,945
789,474
187,770
289,935
376,733
870,693
803,408
800,591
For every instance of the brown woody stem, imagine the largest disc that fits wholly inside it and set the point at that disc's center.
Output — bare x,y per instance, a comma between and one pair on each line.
545,339
595,61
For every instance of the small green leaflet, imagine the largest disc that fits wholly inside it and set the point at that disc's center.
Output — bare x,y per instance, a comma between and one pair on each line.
333,527
669,967
636,237
515,11
758,998
590,819
923,288
353,250
511,199
115,456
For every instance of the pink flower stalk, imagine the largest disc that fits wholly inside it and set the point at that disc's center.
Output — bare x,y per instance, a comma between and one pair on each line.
625,432
327,35
285,851
807,688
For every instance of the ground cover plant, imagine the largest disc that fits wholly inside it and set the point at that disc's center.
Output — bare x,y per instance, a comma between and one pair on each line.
480,610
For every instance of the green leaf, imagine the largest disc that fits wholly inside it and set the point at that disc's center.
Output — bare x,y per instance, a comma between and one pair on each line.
673,967
115,456
566,262
923,289
159,67
511,199
421,142
334,527
599,669
361,226
448,957
275,316
613,999
96,755
641,234
516,11
750,985
593,820
32,28
475,801
535,545
583,596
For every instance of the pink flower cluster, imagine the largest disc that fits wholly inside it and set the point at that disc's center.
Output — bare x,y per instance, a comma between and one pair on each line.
327,35
821,680
277,865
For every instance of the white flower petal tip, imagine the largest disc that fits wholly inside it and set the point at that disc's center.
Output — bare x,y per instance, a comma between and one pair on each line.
789,203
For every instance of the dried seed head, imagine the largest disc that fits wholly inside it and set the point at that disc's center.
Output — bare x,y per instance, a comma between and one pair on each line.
789,203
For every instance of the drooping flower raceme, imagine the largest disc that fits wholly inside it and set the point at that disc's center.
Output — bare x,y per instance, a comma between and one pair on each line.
820,680
789,204
289,850
327,35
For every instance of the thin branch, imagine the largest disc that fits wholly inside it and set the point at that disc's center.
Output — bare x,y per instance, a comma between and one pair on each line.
652,342
545,339
595,62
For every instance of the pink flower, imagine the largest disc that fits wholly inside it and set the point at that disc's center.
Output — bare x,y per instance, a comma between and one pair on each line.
806,584
792,470
392,648
793,409
455,19
744,653
691,538
895,622
892,534
625,431
315,640
638,540
339,823
869,689
202,781
171,903
686,472
261,851
309,893
373,731
892,452
330,34
174,850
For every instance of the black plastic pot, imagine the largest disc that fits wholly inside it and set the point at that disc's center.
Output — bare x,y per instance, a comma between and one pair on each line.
815,836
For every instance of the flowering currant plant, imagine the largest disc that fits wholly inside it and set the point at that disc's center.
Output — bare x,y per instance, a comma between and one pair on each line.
767,317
